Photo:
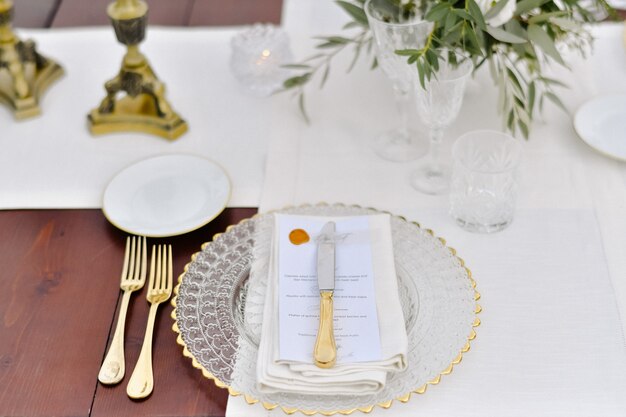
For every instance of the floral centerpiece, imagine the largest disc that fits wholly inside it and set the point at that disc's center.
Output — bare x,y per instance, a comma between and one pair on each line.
516,38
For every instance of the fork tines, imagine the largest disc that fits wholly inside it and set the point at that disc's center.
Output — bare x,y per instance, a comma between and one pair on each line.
161,273
135,259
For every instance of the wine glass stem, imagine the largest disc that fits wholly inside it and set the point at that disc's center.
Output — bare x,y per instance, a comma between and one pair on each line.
436,137
401,96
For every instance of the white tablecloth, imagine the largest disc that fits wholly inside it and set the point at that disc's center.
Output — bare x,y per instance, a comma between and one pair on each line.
53,162
551,341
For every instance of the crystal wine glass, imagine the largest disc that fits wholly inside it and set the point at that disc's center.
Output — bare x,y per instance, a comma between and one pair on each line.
393,31
438,105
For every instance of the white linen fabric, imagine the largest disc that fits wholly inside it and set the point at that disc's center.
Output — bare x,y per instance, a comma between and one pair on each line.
274,375
553,284
53,162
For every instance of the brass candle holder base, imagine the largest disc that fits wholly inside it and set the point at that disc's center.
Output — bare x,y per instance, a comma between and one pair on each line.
143,108
24,73
136,115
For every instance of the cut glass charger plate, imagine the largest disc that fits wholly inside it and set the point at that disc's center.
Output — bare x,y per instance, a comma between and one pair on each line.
601,123
219,310
166,195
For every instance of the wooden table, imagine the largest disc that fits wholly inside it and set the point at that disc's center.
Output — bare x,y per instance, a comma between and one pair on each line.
59,13
59,281
59,294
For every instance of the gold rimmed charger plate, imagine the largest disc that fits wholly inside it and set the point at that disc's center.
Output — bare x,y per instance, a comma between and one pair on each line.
212,292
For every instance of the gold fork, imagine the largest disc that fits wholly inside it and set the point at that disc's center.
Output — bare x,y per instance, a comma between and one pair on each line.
160,289
133,278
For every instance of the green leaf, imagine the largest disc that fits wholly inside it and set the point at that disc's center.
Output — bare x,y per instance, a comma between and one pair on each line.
302,106
504,36
327,45
523,116
297,66
407,52
537,35
480,35
524,128
374,64
427,69
433,59
554,99
351,25
529,53
356,12
527,5
297,80
437,12
455,34
335,39
420,72
493,11
511,120
463,15
480,63
473,45
514,27
544,17
552,81
531,97
515,83
477,14
325,76
453,58
450,21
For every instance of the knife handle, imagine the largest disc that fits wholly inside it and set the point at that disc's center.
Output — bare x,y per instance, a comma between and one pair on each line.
325,351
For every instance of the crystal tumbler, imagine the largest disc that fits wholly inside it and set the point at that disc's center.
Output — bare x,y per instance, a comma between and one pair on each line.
258,58
484,180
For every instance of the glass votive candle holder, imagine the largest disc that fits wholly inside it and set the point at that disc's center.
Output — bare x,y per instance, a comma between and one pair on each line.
258,56
484,182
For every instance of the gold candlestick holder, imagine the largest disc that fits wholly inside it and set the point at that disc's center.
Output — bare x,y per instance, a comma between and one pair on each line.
24,73
143,108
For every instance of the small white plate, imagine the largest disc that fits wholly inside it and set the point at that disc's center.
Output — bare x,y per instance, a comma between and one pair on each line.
166,195
601,123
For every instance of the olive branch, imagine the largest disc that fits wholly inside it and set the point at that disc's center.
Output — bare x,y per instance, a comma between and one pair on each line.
517,51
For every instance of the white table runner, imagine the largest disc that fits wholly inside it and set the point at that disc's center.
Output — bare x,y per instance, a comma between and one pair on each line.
553,284
53,162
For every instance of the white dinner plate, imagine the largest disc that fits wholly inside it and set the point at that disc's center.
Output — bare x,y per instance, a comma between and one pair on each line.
166,195
601,123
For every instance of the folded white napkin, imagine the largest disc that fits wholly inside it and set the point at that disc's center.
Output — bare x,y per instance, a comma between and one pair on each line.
274,375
